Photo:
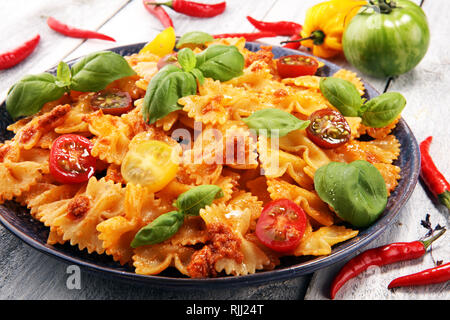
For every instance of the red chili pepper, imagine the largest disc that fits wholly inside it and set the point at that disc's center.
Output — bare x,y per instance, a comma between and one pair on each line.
195,9
75,32
248,36
293,45
437,274
159,13
433,179
384,255
281,28
11,58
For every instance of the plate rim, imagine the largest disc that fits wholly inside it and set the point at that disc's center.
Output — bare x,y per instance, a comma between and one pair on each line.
260,277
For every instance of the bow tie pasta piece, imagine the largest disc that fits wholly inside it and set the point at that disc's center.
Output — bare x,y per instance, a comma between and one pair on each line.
112,136
30,134
297,142
81,215
304,82
117,232
74,122
246,200
18,178
314,207
44,193
384,150
276,163
231,252
153,259
319,242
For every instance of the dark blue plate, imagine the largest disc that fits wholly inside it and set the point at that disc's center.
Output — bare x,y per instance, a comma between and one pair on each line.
16,218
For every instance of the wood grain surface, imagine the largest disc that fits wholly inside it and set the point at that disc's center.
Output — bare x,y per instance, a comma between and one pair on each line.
28,274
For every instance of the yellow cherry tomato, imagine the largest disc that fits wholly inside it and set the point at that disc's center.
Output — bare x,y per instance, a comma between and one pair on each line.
152,164
163,44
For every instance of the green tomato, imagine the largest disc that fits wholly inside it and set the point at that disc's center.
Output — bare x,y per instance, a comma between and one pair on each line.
387,43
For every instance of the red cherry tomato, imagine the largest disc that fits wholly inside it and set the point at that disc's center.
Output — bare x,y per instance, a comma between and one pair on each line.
281,225
296,66
71,160
112,101
328,129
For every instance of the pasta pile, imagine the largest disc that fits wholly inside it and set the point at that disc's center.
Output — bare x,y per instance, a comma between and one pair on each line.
221,240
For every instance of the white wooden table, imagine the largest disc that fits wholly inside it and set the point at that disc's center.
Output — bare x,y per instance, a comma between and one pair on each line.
28,274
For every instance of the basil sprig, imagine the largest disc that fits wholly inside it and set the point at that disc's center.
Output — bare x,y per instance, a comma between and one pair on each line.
92,73
342,94
171,83
197,198
167,224
356,191
271,122
27,96
376,113
159,230
96,70
221,62
193,39
166,87
382,110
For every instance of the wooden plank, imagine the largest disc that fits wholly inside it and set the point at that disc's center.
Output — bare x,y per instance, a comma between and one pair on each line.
426,90
53,47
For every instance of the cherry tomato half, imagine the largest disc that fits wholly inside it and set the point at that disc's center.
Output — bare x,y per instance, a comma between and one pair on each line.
71,160
296,66
150,163
281,225
328,129
112,101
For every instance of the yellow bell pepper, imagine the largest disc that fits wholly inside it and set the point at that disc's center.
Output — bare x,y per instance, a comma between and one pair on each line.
162,44
325,24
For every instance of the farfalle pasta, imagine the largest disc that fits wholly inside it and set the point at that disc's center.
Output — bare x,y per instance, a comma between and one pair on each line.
142,171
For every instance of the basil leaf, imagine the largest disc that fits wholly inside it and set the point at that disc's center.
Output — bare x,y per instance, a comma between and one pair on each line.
198,75
166,87
194,38
220,62
159,230
356,191
270,122
28,96
191,201
63,75
187,60
342,94
95,71
382,110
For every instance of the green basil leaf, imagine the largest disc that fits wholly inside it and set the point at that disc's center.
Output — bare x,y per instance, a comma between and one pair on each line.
220,62
382,110
356,191
159,230
95,71
198,75
63,75
342,94
29,95
191,201
271,122
194,38
166,87
186,59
